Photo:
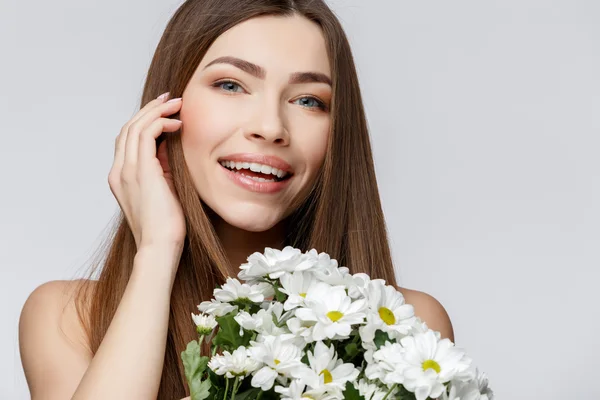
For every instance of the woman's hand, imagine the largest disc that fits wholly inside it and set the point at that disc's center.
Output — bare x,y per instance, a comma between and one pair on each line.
140,178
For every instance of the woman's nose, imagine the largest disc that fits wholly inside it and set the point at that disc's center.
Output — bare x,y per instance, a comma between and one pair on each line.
269,125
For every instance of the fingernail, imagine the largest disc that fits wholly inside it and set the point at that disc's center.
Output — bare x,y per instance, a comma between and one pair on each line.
163,96
174,100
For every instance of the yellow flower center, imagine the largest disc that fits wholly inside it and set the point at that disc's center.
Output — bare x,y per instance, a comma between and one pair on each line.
326,376
303,295
335,315
431,364
276,361
387,316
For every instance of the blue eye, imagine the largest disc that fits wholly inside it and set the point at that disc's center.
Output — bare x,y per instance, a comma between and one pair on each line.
230,85
317,103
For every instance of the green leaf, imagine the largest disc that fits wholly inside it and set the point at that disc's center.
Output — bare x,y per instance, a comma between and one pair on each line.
351,350
194,365
380,338
200,390
250,394
280,296
228,337
351,393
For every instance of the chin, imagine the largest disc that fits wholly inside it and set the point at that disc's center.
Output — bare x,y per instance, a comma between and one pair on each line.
250,217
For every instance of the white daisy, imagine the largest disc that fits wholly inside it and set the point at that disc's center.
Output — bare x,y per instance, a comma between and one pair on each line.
279,356
463,391
483,385
234,290
296,391
274,263
326,373
426,363
329,272
383,364
269,320
205,323
295,285
357,285
471,384
236,364
331,310
372,391
387,312
216,308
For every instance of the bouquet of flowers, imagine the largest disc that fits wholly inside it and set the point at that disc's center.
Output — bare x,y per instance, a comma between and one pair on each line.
296,326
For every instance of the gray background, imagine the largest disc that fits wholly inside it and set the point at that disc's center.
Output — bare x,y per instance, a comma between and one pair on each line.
485,125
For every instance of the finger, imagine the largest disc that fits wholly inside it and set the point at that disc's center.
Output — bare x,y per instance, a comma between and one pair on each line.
122,137
135,129
147,157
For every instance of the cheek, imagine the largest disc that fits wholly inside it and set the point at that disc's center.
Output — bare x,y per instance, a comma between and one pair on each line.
205,122
313,145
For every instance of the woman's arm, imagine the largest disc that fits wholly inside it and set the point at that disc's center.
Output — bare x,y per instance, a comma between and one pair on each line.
129,361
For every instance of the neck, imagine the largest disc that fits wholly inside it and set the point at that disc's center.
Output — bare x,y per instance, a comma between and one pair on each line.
239,244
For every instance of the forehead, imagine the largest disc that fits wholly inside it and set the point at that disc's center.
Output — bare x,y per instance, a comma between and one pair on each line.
286,44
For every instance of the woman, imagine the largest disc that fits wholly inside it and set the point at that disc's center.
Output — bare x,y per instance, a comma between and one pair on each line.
267,83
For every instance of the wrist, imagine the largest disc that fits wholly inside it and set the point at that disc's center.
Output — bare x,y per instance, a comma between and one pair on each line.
161,258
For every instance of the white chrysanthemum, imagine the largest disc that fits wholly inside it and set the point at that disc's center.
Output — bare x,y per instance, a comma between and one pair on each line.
328,271
302,329
462,391
269,321
216,308
483,385
331,310
326,373
205,323
295,391
280,358
424,364
421,327
357,284
474,389
387,312
236,364
383,364
372,391
295,285
274,263
234,290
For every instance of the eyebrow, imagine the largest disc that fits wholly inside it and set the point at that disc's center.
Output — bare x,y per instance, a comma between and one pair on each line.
259,72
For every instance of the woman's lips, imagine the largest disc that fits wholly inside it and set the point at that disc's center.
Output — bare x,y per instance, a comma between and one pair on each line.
252,185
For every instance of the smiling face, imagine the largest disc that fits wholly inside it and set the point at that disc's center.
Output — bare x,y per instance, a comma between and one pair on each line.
260,97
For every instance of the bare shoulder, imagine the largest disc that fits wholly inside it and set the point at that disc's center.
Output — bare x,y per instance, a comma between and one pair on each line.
52,341
429,310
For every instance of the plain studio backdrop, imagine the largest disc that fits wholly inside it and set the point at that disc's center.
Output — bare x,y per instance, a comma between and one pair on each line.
485,126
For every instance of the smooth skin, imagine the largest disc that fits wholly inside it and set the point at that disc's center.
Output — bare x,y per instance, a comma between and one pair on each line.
54,349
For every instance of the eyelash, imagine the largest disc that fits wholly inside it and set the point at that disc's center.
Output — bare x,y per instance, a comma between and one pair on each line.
320,104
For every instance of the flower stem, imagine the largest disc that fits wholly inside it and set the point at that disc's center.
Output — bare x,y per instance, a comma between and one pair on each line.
235,387
259,394
226,388
390,391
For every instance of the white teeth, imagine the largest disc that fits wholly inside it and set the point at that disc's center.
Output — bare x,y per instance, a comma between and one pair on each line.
264,169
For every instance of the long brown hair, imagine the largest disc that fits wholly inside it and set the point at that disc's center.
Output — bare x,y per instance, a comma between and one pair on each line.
342,215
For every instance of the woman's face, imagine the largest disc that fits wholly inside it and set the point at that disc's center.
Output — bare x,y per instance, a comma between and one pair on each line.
250,101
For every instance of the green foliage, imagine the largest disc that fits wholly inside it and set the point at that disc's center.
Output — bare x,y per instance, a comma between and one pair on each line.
380,338
194,366
249,394
228,337
351,393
